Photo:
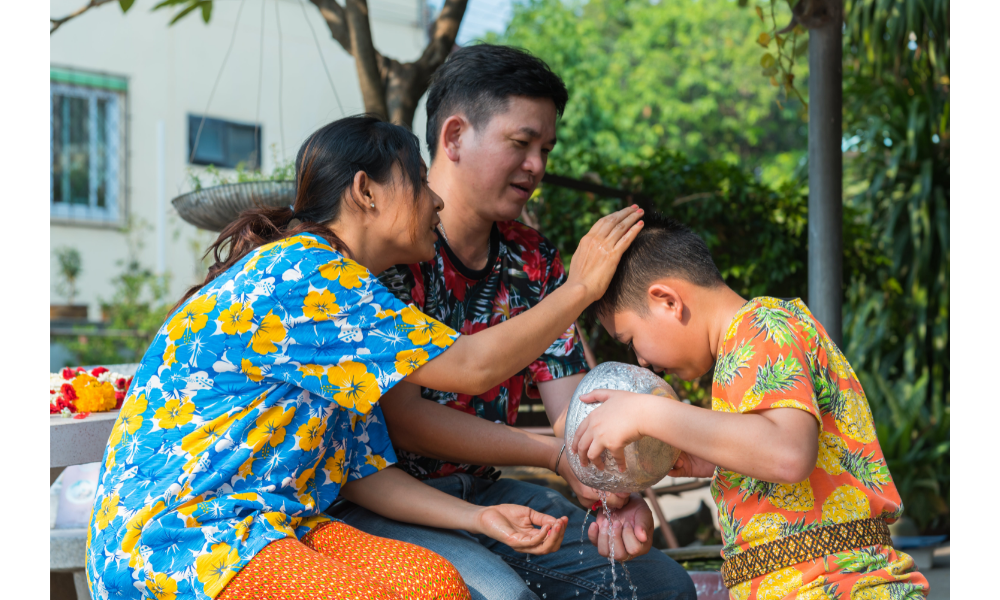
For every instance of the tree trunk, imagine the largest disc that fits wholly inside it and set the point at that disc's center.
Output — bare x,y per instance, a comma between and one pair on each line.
365,57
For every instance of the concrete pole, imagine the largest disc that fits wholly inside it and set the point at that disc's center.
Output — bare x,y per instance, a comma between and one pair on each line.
826,174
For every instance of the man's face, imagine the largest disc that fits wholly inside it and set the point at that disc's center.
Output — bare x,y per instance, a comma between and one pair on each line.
661,342
502,163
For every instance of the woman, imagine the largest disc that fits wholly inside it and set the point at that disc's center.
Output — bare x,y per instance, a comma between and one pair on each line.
255,405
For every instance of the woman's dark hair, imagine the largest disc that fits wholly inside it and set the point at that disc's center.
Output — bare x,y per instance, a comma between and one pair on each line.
478,80
324,173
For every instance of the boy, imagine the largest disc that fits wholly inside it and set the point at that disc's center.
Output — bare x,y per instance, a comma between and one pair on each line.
799,478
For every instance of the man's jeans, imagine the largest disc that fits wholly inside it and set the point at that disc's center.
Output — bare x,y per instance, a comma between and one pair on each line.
493,571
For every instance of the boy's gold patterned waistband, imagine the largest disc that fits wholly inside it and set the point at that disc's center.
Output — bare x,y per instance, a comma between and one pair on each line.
803,546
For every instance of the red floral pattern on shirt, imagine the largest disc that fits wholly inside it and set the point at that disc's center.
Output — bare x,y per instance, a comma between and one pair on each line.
523,267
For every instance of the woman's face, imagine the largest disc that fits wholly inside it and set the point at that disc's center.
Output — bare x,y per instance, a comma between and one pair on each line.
410,222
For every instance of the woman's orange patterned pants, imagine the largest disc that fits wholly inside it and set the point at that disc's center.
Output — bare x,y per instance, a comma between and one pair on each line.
338,561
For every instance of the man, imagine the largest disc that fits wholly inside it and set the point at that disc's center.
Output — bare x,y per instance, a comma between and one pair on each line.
491,123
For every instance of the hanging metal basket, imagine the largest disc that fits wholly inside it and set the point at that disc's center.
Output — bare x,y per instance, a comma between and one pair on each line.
215,207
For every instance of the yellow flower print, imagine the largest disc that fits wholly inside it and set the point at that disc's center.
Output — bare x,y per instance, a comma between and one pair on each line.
251,371
136,524
236,319
161,586
280,522
311,370
270,427
408,361
129,419
386,313
174,413
305,484
311,433
376,461
424,330
187,508
353,386
320,306
107,512
109,463
248,496
344,270
217,568
308,242
335,467
311,522
194,317
206,435
170,354
242,529
268,332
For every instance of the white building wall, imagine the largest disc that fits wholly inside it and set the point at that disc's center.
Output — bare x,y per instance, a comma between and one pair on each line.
171,72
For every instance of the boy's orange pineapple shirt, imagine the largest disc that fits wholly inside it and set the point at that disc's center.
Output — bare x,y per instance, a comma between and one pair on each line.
775,355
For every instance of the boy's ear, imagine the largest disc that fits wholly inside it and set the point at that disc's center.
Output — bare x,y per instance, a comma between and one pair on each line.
666,298
451,136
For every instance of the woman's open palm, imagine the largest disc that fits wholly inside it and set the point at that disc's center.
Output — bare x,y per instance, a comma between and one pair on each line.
522,528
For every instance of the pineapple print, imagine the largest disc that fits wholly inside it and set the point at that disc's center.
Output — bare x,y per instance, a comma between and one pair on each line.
792,404
871,587
729,364
864,560
778,376
741,591
793,498
836,360
870,471
831,448
846,503
779,584
818,589
764,528
720,405
730,527
774,323
854,417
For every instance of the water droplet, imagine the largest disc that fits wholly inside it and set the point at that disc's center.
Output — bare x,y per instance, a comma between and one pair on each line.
528,583
577,592
538,585
581,552
545,595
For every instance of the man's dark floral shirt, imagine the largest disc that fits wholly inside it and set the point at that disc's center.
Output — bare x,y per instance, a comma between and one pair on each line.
523,267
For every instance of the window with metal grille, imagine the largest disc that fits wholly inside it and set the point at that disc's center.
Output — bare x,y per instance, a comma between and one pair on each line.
87,140
222,143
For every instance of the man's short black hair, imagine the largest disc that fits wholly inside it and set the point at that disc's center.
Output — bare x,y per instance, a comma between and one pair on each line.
664,248
477,81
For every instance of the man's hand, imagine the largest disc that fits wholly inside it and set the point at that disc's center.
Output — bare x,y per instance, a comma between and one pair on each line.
688,465
585,494
522,528
611,426
632,530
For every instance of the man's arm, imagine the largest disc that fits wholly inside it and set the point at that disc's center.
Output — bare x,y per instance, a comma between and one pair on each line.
437,431
556,395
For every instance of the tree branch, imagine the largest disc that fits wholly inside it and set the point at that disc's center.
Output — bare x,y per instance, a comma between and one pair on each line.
57,23
336,21
365,56
444,30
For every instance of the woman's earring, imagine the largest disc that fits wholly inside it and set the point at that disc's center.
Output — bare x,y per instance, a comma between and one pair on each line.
373,205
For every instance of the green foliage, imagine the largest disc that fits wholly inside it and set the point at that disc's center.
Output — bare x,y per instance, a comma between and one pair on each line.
135,311
283,171
898,170
70,267
682,75
187,6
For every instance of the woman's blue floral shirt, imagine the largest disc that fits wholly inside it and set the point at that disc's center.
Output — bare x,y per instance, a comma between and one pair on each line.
255,402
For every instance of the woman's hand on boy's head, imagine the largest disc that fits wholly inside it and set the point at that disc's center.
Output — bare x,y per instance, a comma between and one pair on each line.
611,427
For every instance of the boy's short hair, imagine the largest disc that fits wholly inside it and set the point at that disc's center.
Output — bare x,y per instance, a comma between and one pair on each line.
664,248
477,81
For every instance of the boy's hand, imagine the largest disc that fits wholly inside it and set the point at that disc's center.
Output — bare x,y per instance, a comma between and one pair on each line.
688,465
611,427
632,530
587,495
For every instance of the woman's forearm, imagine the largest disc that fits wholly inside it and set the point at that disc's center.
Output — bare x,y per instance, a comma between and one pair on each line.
476,363
436,431
778,445
396,495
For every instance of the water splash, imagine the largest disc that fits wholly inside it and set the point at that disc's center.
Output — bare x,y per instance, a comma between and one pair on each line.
611,544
